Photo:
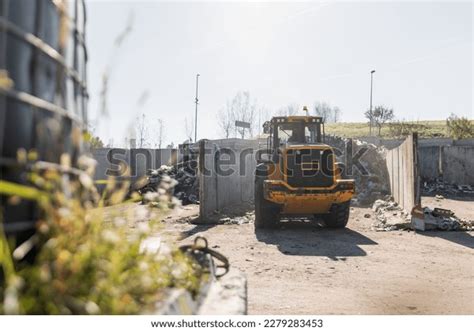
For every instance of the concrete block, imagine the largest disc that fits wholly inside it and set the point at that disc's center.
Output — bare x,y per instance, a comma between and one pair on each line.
179,302
402,165
226,175
226,296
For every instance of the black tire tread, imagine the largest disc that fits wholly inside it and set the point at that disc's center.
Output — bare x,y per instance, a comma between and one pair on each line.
266,213
338,216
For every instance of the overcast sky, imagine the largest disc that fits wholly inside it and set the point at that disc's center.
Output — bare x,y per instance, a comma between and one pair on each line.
281,53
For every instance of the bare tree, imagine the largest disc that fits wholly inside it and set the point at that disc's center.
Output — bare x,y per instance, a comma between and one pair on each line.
323,110
161,132
379,116
189,128
288,110
337,114
224,118
244,109
142,131
327,112
241,108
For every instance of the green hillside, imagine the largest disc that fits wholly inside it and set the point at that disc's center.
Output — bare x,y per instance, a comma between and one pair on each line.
425,129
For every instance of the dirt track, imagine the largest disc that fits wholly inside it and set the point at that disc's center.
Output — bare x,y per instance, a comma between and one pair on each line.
305,269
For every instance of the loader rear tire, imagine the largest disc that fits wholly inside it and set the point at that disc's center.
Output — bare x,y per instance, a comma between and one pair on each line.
338,216
266,212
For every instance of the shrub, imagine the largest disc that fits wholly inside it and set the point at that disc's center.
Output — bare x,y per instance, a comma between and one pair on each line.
87,261
379,116
459,127
402,129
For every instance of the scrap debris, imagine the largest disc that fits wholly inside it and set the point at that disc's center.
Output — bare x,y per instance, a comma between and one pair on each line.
424,219
373,185
186,183
441,189
237,214
389,216
248,217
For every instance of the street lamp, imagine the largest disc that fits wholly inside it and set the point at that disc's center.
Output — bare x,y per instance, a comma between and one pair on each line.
370,111
196,101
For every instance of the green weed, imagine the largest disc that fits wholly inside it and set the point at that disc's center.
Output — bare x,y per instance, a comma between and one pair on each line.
89,260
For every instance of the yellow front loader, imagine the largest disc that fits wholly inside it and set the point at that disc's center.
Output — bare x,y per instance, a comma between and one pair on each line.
298,175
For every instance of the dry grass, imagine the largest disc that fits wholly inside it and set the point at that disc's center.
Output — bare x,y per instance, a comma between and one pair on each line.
425,129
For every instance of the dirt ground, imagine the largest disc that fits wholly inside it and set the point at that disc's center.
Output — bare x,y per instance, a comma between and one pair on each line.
303,268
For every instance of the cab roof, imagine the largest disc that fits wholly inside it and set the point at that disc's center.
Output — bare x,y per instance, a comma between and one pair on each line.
289,119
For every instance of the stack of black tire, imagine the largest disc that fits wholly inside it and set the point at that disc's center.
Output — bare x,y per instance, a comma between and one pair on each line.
43,93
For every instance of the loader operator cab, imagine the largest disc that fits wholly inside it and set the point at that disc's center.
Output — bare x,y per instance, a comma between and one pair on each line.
293,130
298,132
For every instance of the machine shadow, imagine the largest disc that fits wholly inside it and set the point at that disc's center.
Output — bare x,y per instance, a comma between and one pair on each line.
458,237
311,239
197,228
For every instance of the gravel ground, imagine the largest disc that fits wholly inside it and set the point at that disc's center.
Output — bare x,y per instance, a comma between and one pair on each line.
303,268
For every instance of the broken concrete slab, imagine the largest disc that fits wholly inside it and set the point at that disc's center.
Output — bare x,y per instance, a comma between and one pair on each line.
426,219
226,296
389,216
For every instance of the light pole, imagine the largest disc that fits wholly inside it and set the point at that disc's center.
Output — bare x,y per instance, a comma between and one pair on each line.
370,111
196,101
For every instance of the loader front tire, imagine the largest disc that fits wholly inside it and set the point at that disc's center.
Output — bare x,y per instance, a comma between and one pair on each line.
266,212
338,215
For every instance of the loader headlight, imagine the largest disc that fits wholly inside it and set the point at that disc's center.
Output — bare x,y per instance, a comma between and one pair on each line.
346,186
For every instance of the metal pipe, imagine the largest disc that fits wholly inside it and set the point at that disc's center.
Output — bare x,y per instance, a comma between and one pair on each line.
3,66
196,110
370,111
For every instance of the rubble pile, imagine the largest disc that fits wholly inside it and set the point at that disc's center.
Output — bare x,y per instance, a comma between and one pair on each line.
439,219
248,217
239,214
374,184
441,188
186,183
390,216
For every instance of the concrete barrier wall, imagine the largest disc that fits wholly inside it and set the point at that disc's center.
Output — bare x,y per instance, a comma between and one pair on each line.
387,143
429,159
226,175
117,162
422,142
439,158
402,165
451,164
457,165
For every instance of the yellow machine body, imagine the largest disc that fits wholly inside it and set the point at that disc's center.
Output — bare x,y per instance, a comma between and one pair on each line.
304,200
